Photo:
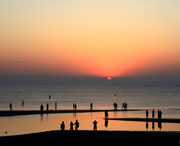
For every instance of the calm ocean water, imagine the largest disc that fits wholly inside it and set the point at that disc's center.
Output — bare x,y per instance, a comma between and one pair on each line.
101,96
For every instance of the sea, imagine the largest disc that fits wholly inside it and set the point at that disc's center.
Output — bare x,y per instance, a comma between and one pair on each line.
165,98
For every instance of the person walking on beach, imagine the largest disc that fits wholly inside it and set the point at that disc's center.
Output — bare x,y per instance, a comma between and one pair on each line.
95,125
147,113
62,126
76,125
71,126
153,113
10,106
106,114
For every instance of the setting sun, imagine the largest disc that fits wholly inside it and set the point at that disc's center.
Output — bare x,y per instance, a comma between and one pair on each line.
109,78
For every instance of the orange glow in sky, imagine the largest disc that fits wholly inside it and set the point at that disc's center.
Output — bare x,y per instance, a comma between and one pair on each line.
89,38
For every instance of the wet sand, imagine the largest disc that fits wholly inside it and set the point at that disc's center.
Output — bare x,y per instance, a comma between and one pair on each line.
96,137
35,112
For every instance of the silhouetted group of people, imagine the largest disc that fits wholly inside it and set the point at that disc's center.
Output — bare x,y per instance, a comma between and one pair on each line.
62,126
159,115
124,106
72,125
153,114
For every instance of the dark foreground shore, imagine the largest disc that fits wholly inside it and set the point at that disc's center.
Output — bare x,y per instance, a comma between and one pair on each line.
96,137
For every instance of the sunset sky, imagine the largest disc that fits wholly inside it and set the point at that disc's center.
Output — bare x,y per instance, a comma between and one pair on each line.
89,37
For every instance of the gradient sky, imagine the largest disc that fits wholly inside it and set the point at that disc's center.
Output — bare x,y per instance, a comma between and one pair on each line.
89,37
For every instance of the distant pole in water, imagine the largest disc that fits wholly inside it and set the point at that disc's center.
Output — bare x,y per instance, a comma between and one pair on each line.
56,105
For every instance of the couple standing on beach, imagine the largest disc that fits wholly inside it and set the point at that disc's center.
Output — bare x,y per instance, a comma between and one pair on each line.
72,125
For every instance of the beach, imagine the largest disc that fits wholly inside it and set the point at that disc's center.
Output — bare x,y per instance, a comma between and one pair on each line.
29,124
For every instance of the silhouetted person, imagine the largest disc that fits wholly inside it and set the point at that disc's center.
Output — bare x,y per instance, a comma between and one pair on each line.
23,103
159,114
47,107
106,114
91,106
41,108
147,113
49,97
71,126
56,105
62,126
115,106
76,125
95,125
75,107
153,113
10,106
